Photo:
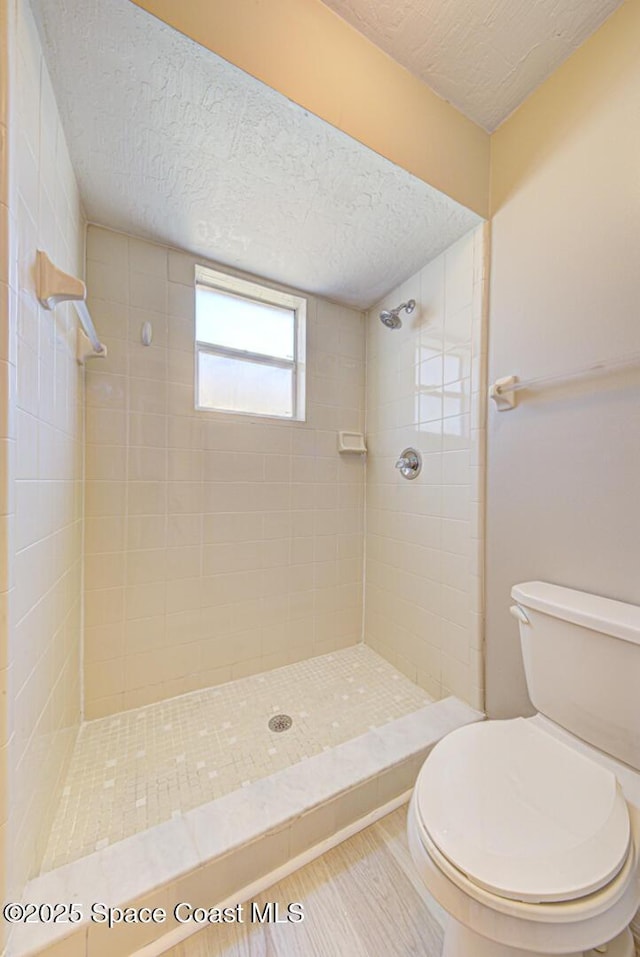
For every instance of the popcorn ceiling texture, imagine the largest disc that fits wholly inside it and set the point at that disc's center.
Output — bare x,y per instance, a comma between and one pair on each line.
246,177
135,770
486,57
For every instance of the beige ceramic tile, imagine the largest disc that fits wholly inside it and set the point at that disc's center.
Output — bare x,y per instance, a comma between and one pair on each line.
132,771
422,535
222,493
45,419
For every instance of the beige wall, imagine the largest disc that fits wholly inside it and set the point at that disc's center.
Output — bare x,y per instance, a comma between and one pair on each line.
423,608
216,545
43,479
564,467
7,393
307,52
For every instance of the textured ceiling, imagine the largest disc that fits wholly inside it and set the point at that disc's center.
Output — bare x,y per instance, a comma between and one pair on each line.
484,56
171,142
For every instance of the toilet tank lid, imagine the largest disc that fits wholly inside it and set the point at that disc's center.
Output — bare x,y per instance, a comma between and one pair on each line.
616,618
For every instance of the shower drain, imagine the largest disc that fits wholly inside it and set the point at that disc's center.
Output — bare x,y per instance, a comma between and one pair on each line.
280,722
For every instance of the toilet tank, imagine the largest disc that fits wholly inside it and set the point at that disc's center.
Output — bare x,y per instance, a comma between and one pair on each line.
582,664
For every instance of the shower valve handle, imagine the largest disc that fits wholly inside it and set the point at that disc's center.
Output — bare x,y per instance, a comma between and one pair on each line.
409,463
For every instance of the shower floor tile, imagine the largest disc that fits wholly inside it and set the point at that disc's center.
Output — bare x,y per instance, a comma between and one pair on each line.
137,769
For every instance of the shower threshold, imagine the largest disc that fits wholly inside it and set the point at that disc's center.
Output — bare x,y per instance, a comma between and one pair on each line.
196,798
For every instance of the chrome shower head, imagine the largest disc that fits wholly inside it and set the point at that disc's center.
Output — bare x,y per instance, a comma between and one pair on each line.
391,317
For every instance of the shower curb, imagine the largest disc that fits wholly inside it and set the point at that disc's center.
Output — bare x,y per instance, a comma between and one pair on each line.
222,850
176,936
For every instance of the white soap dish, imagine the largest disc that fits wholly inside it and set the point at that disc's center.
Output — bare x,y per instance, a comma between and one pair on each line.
351,442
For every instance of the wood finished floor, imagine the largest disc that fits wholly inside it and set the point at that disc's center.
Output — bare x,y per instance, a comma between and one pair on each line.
361,899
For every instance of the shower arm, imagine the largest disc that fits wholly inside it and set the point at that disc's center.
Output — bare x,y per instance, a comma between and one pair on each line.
408,306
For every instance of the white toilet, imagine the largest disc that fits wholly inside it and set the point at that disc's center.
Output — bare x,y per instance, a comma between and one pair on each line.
527,831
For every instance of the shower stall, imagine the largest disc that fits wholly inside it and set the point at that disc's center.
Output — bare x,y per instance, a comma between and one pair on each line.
230,640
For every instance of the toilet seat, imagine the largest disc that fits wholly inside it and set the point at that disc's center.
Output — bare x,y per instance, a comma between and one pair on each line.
522,815
552,912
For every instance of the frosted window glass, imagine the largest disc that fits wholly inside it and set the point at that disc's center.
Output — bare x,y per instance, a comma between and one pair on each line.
239,385
236,323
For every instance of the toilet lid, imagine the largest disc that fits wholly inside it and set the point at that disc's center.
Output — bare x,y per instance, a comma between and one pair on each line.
522,814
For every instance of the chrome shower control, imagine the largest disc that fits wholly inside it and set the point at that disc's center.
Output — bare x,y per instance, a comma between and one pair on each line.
409,463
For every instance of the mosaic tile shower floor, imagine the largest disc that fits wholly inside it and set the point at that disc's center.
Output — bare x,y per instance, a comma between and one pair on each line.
137,769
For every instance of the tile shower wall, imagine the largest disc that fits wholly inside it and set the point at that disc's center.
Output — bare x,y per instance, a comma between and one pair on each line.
44,457
425,384
216,545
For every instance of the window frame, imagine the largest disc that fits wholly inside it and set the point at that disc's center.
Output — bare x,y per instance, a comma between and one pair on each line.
251,291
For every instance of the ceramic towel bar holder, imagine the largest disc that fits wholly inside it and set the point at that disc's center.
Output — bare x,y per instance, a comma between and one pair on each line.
55,286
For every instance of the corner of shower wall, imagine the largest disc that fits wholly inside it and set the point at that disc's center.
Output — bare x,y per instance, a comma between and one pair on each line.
7,376
42,461
426,388
479,396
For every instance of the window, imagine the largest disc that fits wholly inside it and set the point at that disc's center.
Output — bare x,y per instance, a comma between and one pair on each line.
249,347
